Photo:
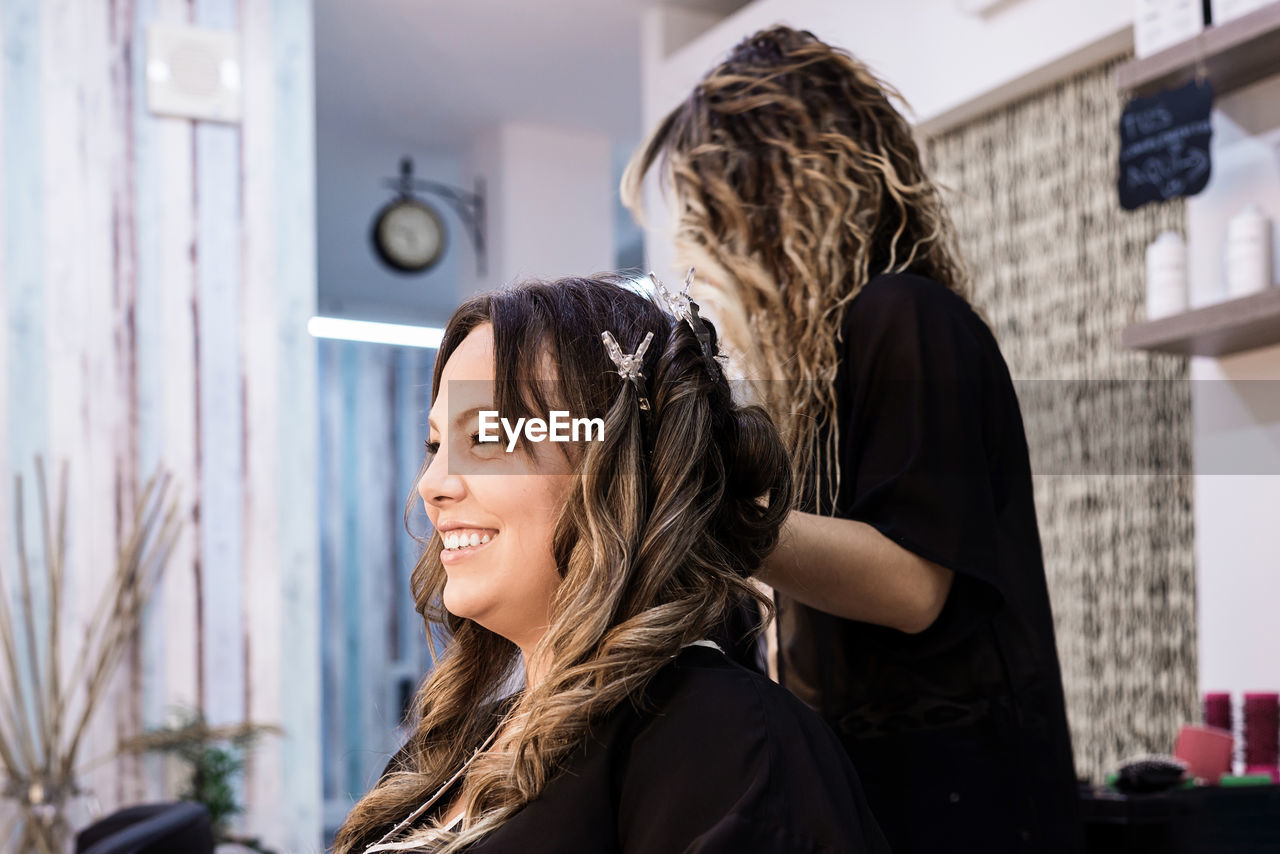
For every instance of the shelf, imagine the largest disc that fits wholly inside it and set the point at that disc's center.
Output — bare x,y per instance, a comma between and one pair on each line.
1235,53
1244,323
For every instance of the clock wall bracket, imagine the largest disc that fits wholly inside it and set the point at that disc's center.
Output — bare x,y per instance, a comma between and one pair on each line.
468,205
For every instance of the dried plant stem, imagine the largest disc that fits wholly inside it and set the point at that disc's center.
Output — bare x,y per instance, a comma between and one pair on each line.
17,710
125,569
8,829
42,720
7,753
55,551
38,839
33,650
138,570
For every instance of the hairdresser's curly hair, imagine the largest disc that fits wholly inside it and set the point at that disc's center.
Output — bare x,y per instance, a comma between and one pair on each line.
797,182
666,520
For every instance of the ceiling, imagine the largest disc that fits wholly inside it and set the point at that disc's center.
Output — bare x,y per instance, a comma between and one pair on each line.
437,72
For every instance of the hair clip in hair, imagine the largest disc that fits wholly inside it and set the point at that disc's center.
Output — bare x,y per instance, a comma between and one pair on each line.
629,365
685,309
679,304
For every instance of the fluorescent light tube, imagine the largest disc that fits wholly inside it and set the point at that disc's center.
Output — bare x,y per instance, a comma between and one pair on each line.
375,333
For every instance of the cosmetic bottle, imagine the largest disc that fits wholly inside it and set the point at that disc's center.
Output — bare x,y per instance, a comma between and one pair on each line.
1248,252
1166,276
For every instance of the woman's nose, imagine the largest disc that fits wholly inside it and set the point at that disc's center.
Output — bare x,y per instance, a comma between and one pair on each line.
437,486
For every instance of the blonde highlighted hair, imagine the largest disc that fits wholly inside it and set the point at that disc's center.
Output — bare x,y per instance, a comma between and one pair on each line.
796,182
667,518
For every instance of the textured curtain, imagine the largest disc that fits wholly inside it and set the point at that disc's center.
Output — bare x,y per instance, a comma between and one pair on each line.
373,401
1058,270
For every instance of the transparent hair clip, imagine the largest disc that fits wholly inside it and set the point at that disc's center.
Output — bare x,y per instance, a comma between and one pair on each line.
630,366
686,310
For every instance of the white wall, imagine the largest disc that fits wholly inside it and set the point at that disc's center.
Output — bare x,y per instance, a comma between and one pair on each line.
1237,569
1236,402
951,66
939,57
350,190
551,193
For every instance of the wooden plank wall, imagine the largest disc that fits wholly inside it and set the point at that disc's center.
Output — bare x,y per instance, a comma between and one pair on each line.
373,402
156,276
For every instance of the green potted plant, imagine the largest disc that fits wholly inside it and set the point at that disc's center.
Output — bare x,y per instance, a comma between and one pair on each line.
213,758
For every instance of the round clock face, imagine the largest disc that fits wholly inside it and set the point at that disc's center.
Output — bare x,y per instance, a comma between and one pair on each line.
409,236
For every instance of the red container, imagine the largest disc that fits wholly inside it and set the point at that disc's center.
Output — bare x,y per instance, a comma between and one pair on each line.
1206,750
1217,711
1261,731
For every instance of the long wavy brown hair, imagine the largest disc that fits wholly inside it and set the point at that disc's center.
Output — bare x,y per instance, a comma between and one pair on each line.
668,516
796,181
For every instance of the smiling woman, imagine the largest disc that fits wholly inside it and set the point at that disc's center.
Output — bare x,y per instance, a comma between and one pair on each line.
601,566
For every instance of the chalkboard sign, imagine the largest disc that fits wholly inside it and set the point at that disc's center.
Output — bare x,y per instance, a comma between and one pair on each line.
1164,145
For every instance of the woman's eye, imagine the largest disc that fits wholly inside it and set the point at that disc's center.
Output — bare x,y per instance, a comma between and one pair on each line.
433,448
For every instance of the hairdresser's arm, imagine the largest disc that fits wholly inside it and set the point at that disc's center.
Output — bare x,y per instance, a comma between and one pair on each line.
849,569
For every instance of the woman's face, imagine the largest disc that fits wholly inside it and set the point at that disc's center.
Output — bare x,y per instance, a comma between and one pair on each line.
504,502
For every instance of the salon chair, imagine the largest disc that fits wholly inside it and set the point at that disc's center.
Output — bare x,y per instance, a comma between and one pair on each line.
182,828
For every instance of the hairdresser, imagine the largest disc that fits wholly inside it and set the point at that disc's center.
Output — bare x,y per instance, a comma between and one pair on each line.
912,608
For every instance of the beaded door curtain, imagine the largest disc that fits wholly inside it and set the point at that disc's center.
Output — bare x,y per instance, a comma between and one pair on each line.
1057,270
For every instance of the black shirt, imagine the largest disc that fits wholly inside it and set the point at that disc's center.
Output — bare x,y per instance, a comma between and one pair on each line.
717,759
959,732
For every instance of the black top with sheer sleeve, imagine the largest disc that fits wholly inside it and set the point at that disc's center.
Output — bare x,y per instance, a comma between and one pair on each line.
716,760
959,732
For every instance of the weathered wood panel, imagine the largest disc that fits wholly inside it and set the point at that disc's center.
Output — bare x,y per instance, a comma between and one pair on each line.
293,231
221,446
88,402
264,787
157,275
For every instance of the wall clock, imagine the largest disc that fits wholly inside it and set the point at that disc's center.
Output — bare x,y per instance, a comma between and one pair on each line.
408,236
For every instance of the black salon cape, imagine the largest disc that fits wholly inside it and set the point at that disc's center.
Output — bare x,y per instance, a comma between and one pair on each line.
719,761
959,733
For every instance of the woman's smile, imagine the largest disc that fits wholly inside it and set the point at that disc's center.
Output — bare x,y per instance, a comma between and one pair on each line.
461,543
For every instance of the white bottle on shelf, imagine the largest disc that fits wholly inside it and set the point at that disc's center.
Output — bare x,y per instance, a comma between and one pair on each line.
1158,24
1225,10
1166,276
1248,252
